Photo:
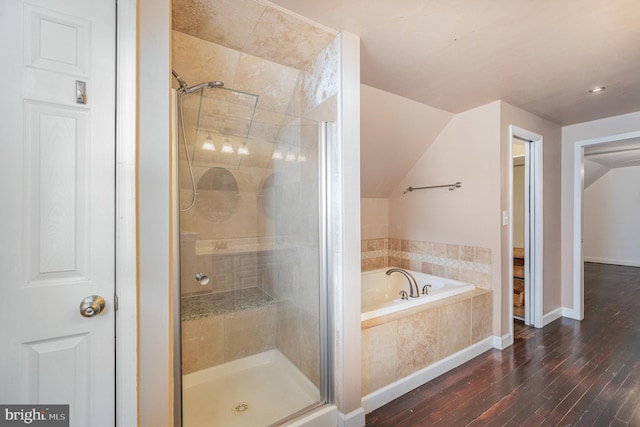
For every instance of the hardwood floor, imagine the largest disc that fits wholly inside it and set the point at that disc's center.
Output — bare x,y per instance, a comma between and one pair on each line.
569,373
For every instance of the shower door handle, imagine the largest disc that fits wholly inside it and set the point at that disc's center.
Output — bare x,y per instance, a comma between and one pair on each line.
92,306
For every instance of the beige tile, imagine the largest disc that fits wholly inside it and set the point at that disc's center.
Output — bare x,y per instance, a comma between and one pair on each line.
483,280
451,272
378,244
363,245
371,245
273,82
197,61
427,248
455,328
370,264
395,261
415,265
286,39
427,268
405,245
439,250
415,246
452,252
417,342
319,80
395,244
381,262
482,256
466,253
481,317
406,264
202,343
467,276
379,356
249,332
298,339
438,270
226,22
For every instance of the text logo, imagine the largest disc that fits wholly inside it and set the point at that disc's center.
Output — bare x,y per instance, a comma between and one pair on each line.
34,415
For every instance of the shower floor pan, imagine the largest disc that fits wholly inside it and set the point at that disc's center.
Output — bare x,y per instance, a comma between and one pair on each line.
254,391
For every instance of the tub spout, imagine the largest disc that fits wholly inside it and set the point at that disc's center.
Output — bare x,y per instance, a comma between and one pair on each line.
414,291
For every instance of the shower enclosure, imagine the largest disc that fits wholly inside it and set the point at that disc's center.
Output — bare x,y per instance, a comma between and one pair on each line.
251,175
253,295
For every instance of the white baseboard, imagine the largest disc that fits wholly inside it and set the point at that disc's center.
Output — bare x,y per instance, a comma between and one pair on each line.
503,342
570,313
553,315
625,262
352,419
386,394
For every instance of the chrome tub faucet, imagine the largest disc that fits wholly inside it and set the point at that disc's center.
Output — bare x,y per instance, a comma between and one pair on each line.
414,292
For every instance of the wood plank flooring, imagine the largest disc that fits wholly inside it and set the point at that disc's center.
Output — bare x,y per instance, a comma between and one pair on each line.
570,373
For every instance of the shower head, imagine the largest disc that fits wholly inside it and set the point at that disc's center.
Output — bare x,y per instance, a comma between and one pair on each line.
186,89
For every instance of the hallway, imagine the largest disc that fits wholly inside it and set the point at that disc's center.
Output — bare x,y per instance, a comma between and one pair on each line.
569,373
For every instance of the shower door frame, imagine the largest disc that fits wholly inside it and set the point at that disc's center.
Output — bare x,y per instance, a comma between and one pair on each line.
326,133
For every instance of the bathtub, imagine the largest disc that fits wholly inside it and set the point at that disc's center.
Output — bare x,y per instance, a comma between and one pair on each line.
380,293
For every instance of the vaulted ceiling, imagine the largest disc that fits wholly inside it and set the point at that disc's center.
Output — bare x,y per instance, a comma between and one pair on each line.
541,56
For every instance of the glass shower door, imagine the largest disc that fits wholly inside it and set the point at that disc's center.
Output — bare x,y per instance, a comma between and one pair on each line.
250,261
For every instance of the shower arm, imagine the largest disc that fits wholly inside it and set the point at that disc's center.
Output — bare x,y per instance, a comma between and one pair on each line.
182,83
184,87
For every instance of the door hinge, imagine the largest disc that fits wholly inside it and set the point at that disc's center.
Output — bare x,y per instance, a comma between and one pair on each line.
115,302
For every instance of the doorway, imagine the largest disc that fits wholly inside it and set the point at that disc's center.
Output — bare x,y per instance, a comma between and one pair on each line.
578,210
525,249
518,228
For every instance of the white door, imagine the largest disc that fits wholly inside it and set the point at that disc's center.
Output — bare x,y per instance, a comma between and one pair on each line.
57,196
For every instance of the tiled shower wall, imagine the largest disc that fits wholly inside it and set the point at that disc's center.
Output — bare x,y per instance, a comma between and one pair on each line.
293,97
465,263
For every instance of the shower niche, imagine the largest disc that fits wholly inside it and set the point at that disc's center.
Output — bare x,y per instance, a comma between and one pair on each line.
251,289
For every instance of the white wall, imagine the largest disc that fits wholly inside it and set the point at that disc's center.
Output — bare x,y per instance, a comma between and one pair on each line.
154,275
374,221
467,150
395,133
346,235
593,171
611,218
570,135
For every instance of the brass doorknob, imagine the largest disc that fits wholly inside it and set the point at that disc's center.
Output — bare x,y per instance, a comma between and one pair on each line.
92,306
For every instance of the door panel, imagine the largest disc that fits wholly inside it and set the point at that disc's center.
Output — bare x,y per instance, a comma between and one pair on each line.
57,181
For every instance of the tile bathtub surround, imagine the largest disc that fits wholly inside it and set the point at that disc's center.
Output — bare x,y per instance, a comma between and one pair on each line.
459,262
398,347
374,254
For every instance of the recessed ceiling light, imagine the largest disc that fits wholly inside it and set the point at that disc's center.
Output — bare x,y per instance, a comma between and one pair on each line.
597,89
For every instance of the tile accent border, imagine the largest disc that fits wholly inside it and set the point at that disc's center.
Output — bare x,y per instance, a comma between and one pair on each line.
459,262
